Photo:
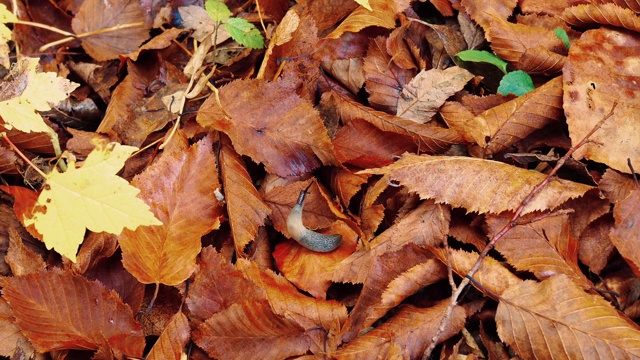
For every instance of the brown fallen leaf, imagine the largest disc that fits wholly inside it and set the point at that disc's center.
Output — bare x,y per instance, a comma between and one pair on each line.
94,15
171,343
78,313
382,14
557,318
167,254
479,185
589,95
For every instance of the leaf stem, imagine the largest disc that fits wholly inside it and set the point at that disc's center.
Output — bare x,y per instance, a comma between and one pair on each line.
511,224
3,135
90,33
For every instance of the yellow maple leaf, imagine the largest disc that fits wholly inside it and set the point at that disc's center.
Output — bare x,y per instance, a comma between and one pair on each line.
5,33
91,197
41,91
365,4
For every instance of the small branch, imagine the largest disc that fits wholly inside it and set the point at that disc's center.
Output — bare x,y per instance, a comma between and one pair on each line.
43,26
511,224
90,33
3,135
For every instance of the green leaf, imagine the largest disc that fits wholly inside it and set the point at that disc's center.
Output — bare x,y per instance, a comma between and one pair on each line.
245,33
516,82
482,56
217,10
562,35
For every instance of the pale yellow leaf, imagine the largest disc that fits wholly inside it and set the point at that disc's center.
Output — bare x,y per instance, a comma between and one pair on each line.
6,16
90,197
42,91
365,4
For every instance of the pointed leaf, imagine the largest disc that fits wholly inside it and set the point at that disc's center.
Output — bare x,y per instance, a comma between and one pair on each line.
555,318
247,211
424,94
280,129
454,180
58,310
171,343
167,254
601,14
91,197
382,13
96,15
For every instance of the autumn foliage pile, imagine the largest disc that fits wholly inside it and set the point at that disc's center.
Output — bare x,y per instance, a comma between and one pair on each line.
152,155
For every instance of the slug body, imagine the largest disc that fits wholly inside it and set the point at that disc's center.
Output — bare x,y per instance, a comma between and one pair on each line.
310,239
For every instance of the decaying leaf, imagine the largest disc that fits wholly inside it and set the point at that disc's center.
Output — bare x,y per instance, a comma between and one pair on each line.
557,318
167,253
479,185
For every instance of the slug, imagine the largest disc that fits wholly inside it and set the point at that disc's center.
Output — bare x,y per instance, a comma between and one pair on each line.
310,239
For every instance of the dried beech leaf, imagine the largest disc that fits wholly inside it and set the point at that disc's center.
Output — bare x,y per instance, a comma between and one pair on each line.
601,14
510,41
478,185
382,13
96,15
216,285
424,94
167,254
589,95
384,270
430,139
384,79
236,333
626,234
492,275
411,329
485,12
58,310
171,343
540,60
279,129
9,331
427,225
544,247
506,124
247,211
555,318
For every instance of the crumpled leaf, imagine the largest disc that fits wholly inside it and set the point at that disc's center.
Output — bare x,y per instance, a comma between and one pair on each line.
91,197
484,186
167,254
58,310
382,13
279,129
96,15
605,14
424,94
29,92
557,318
589,95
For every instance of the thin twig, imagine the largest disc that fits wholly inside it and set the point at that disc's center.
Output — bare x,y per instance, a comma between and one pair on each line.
512,223
72,37
3,135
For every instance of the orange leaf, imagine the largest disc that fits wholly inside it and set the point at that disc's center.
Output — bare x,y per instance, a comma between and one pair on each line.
543,247
385,269
589,95
167,254
97,15
382,14
540,60
510,41
426,225
626,234
241,329
279,129
384,79
308,269
58,310
556,318
426,92
409,331
601,14
485,12
454,180
171,343
430,139
246,209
